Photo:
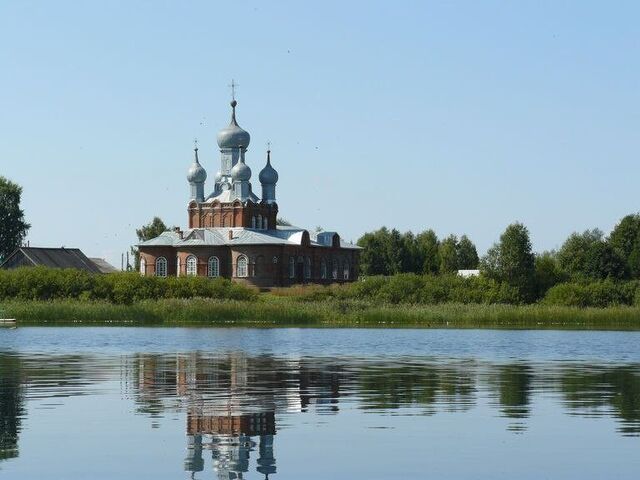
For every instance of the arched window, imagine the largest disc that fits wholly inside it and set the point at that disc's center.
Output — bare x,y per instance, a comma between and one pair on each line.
265,223
253,222
177,266
241,267
307,268
334,273
259,222
345,270
213,269
161,267
323,269
143,266
192,266
292,267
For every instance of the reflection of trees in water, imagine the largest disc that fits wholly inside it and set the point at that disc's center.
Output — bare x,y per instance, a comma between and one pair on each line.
11,405
614,389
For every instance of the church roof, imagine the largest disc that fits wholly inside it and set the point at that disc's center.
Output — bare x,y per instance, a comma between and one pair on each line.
240,236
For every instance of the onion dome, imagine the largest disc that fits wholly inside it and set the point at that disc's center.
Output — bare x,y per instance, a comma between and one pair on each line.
241,171
196,173
233,136
218,177
268,175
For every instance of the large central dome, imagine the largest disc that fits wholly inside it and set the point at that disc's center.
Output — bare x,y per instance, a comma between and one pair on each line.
233,136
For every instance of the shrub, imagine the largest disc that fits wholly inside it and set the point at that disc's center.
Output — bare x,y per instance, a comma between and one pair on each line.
602,294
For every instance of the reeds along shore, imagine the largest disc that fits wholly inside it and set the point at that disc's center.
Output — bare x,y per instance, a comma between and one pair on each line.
272,311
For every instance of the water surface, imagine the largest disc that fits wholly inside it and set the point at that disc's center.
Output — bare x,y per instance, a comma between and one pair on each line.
318,403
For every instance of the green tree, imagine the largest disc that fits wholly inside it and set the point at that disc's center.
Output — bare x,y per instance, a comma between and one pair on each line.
573,254
512,261
467,254
13,228
147,232
588,255
548,272
427,257
625,239
373,258
448,253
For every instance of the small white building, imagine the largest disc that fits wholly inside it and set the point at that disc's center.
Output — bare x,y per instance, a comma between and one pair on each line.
468,273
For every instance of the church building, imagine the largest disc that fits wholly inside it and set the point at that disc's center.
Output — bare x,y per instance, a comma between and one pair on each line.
233,232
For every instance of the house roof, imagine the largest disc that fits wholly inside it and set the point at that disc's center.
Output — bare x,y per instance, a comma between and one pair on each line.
103,265
55,258
219,236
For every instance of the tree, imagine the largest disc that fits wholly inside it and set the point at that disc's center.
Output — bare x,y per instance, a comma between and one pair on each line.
588,255
512,261
625,239
467,254
147,232
548,272
373,258
283,222
448,253
572,256
13,228
427,246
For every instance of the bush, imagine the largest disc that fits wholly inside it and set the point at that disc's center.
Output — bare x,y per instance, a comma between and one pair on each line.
602,294
41,283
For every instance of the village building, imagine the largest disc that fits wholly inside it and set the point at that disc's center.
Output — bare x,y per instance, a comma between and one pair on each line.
233,232
55,258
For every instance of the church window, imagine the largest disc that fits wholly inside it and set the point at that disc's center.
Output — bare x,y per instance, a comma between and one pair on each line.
253,222
241,267
143,266
192,266
161,267
323,269
292,267
259,222
213,267
265,223
177,266
307,268
345,271
334,273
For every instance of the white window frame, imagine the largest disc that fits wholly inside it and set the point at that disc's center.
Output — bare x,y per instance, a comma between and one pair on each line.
213,267
334,270
177,265
346,271
242,266
161,267
192,266
143,266
323,269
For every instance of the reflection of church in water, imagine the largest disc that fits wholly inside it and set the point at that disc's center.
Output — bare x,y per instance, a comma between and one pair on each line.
231,404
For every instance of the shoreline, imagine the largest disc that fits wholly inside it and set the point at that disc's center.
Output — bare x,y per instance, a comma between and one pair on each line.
273,312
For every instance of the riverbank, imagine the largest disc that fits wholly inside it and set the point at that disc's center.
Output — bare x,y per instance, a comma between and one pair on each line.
273,311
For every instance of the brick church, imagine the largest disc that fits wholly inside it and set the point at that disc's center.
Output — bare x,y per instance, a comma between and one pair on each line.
233,233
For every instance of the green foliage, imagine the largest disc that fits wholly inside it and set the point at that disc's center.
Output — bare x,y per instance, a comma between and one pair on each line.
625,239
389,252
547,272
512,261
604,293
283,222
40,283
13,228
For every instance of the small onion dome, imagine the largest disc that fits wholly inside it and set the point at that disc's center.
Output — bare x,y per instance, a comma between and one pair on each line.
218,177
196,173
233,136
241,171
268,175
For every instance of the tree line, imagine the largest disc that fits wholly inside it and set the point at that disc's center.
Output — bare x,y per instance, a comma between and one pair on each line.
584,257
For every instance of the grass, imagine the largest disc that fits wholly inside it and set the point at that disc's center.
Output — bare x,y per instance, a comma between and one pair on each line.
287,311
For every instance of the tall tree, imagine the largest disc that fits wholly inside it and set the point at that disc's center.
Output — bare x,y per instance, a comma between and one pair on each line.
512,261
147,232
427,252
625,239
448,253
13,228
467,254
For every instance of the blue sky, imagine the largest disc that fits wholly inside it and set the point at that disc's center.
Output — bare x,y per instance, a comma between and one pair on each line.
457,116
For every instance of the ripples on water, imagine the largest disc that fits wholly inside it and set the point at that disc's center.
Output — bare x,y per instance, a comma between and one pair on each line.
231,410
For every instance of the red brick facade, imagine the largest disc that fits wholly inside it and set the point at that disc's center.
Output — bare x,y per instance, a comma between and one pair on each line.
234,214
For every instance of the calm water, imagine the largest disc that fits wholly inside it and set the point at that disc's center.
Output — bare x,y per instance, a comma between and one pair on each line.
318,404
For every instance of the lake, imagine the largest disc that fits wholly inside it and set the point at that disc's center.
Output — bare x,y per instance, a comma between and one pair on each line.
167,403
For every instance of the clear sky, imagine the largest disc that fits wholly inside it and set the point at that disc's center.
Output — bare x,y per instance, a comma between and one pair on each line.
457,116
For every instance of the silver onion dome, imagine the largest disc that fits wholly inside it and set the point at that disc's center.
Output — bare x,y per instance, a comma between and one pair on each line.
196,172
233,136
241,171
268,175
218,177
